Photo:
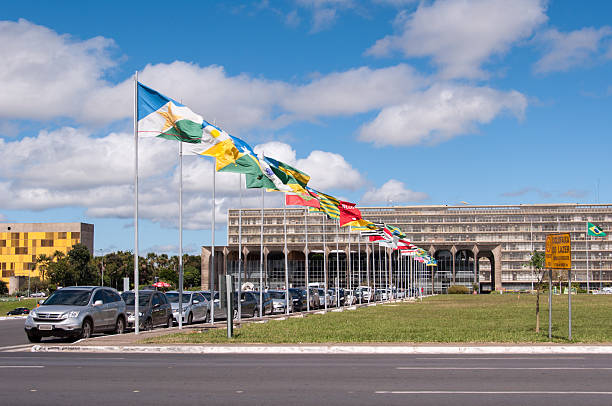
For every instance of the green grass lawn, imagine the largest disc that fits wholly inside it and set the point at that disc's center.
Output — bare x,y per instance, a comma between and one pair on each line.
508,318
10,305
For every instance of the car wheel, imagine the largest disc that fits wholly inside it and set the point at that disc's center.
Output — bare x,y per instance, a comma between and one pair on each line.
207,318
120,326
148,325
170,322
235,314
34,337
190,318
86,329
256,313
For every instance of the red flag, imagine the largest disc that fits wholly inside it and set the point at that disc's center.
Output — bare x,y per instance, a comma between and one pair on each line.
348,213
301,200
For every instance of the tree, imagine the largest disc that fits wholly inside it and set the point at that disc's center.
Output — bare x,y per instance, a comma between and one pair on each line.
537,261
42,263
3,288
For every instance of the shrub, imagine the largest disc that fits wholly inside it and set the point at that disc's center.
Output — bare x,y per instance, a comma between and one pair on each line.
458,289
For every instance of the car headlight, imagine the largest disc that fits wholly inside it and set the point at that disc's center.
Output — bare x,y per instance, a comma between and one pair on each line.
70,315
33,313
140,314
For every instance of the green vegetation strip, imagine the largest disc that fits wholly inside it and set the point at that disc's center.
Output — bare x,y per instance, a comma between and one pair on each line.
13,304
508,318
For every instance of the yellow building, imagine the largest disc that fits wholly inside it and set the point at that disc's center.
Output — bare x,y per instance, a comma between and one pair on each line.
22,243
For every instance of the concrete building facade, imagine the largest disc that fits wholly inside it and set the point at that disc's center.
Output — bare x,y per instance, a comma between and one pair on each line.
482,247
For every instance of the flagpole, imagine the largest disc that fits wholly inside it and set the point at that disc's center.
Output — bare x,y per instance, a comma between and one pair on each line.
350,268
136,318
359,265
324,263
337,265
180,312
373,295
387,272
212,246
286,263
380,270
586,242
306,264
239,247
261,256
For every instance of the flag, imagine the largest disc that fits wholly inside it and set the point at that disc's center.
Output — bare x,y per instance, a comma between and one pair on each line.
595,231
290,176
363,225
395,231
160,116
298,199
329,204
349,213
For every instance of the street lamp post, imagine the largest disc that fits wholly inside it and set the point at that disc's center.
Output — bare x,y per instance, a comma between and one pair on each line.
102,258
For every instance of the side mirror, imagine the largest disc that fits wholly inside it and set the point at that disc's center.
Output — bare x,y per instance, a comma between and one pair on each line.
41,301
156,305
98,303
196,301
243,300
216,300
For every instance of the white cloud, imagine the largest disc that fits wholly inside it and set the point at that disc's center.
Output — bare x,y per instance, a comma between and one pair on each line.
71,168
324,12
328,170
566,50
461,35
47,74
440,113
354,91
392,192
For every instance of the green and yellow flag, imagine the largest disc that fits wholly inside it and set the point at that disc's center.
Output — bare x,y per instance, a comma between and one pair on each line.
595,231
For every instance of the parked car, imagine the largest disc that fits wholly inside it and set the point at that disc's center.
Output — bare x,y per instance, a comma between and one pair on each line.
267,303
298,299
250,304
195,307
349,297
279,304
313,294
77,311
324,297
38,294
220,312
18,311
153,309
365,293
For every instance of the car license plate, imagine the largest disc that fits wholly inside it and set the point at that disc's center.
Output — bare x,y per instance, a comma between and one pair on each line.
45,327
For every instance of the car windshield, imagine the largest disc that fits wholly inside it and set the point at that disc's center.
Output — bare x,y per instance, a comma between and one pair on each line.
69,297
173,297
277,295
143,298
207,295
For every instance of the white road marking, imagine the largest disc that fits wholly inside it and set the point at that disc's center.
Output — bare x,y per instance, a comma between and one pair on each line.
508,368
495,358
11,348
468,392
22,366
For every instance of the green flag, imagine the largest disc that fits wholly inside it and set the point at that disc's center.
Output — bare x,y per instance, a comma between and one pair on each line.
595,231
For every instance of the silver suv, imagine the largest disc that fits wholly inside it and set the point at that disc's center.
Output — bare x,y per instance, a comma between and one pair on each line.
77,312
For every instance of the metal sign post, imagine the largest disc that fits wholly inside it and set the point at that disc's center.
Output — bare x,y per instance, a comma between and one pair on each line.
229,289
558,255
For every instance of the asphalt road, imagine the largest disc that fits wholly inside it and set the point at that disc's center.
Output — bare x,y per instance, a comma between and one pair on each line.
102,379
12,333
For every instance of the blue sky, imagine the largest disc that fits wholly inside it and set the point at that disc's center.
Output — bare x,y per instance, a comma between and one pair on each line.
380,101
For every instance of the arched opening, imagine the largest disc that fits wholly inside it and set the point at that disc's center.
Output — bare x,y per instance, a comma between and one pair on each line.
443,273
464,268
276,270
486,270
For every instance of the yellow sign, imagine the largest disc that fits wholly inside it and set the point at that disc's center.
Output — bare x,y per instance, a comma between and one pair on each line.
558,251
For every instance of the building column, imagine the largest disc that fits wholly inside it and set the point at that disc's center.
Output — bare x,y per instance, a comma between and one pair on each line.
453,252
265,267
245,254
475,251
367,252
205,269
497,256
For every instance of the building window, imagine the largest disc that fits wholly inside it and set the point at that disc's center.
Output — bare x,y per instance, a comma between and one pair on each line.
46,243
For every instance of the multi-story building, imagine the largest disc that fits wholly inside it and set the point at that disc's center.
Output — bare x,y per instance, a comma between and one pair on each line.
482,247
22,243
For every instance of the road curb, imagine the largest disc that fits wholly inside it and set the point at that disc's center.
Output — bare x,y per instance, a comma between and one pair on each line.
329,349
